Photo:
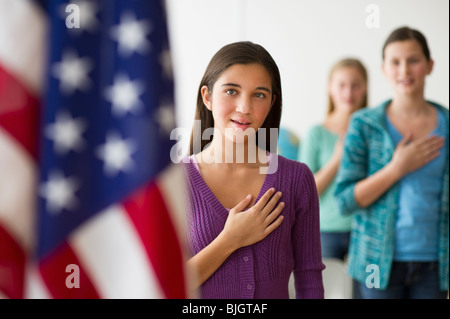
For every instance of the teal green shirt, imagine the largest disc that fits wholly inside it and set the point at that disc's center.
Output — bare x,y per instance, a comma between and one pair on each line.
316,150
368,147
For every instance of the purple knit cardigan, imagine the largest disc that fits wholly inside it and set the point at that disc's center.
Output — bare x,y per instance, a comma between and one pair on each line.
262,270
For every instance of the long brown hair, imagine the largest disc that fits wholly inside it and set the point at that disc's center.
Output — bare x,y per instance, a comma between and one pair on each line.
345,63
236,53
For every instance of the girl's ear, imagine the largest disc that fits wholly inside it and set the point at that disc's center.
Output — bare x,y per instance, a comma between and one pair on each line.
383,69
430,66
206,97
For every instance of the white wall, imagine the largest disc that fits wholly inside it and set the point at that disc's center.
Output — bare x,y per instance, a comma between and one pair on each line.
305,37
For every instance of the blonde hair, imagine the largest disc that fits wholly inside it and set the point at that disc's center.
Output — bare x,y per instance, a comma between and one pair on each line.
344,63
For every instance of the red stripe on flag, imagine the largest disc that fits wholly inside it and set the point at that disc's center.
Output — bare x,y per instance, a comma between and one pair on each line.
19,112
60,279
12,266
151,218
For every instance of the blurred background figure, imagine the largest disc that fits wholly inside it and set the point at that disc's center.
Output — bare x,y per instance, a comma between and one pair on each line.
288,144
321,150
393,179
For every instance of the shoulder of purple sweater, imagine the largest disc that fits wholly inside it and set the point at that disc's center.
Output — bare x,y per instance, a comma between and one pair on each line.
295,168
296,176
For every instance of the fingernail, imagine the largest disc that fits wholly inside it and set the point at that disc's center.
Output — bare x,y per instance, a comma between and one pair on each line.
279,194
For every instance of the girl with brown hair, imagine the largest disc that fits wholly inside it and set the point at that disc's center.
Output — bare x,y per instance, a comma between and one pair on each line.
244,242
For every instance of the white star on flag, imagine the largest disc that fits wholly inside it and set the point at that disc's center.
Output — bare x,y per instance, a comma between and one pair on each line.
166,118
116,153
131,35
165,59
124,95
72,72
66,133
59,192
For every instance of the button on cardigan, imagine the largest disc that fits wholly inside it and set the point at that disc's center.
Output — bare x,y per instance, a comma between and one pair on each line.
262,270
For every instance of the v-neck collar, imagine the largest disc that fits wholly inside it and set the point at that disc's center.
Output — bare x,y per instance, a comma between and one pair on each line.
397,136
212,199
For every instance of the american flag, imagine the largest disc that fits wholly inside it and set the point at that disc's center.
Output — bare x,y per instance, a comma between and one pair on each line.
90,204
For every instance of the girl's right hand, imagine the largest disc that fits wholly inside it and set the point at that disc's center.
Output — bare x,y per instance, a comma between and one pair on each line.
410,156
244,228
338,149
